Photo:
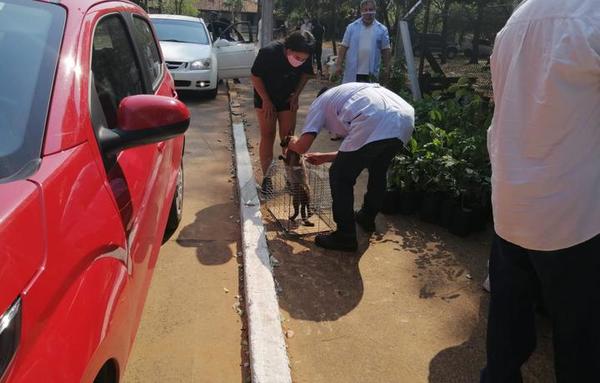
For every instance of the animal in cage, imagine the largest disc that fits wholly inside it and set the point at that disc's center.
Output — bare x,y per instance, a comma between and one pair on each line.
314,184
297,184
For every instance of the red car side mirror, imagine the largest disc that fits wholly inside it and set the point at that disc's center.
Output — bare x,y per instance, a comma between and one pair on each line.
145,119
144,111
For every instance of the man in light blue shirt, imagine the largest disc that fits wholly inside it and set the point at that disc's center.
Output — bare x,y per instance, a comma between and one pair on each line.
366,41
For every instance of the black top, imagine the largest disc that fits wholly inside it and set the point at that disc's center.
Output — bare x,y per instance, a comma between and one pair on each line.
279,77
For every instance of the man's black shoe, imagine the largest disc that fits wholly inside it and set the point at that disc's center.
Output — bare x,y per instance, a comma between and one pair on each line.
365,223
337,241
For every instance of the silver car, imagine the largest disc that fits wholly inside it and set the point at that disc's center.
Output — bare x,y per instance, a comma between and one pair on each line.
195,60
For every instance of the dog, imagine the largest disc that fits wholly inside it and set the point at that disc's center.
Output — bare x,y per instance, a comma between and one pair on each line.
297,181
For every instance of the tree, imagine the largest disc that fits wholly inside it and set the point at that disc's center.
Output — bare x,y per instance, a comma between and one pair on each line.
477,32
142,3
444,6
234,6
177,7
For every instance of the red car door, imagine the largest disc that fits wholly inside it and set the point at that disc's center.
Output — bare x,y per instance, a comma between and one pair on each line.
138,177
81,222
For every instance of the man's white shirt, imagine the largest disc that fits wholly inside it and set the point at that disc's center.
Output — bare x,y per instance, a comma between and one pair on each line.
544,142
365,45
361,113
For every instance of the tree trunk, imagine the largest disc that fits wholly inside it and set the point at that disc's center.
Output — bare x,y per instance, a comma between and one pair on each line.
477,33
334,30
383,9
422,42
445,14
398,43
267,22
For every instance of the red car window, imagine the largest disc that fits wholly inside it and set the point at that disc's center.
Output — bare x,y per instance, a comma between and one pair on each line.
149,50
30,37
115,69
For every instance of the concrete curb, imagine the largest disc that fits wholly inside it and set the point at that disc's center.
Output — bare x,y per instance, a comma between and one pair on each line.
268,356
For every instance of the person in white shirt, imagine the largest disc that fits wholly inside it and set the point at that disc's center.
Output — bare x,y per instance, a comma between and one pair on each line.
306,26
375,123
544,146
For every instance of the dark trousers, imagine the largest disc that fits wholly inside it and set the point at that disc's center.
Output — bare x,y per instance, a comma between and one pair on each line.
347,166
318,55
568,282
363,78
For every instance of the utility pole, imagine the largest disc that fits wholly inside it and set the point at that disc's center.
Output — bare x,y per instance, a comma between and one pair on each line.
404,31
266,29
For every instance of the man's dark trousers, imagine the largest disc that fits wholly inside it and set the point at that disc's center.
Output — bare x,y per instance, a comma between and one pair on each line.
318,55
568,282
347,166
363,78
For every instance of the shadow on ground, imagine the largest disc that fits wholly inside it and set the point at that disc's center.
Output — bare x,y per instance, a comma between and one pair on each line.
444,260
314,284
212,234
463,363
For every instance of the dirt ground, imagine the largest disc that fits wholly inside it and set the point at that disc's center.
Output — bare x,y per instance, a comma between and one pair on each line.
407,307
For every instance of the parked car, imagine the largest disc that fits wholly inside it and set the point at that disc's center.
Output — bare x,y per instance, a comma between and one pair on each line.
435,44
485,48
195,61
91,143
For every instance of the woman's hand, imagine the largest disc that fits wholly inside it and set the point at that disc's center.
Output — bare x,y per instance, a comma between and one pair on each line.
293,100
318,158
269,110
290,141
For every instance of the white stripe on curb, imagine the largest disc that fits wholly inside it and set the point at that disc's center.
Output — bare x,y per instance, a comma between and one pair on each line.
268,357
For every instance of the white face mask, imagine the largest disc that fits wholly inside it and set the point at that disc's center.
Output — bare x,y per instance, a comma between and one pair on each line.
368,14
294,61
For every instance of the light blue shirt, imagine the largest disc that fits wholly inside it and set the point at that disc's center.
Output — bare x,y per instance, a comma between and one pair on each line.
361,113
381,40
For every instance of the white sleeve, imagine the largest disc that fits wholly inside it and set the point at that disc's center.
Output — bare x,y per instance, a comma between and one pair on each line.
315,118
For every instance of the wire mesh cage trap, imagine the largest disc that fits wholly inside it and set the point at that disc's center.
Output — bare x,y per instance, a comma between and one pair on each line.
299,198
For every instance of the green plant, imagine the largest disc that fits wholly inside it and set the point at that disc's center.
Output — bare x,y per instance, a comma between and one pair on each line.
398,80
402,173
448,150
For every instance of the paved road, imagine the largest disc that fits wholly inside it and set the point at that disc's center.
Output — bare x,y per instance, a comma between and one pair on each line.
190,330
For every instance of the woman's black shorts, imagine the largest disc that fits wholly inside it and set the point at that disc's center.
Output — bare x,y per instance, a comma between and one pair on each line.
280,105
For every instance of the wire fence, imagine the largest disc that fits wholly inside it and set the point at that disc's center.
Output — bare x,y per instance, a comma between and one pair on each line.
295,212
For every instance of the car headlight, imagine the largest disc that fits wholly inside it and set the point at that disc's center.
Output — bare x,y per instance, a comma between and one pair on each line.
200,64
10,333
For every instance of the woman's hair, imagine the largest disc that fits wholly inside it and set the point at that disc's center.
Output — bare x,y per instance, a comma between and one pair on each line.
300,42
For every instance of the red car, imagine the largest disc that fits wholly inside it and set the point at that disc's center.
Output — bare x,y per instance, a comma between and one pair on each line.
91,144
